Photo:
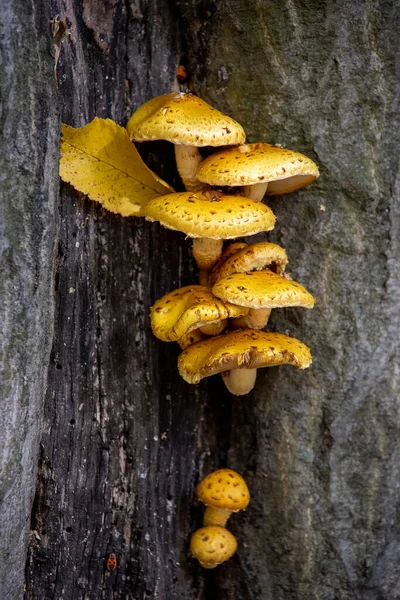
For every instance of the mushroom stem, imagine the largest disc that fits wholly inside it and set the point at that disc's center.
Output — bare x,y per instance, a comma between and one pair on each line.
204,277
240,381
206,251
255,192
256,319
216,516
188,159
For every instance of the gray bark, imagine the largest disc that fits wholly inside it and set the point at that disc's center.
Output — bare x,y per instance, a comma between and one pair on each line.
29,191
126,440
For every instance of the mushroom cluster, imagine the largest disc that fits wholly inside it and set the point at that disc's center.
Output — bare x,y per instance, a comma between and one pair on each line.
223,492
219,322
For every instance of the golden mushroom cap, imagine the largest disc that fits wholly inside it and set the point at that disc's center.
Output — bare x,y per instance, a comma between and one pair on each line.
262,289
232,248
221,217
252,257
212,545
284,170
183,310
246,349
184,119
194,336
224,489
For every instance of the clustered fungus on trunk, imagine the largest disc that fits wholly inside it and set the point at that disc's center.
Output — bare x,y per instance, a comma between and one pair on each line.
248,276
219,324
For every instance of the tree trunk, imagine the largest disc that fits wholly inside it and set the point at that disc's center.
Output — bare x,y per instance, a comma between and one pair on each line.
125,439
28,214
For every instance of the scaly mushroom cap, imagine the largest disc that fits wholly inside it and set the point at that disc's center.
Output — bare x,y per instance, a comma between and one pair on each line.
191,338
212,545
252,257
224,489
229,250
247,349
181,311
232,248
184,119
284,170
221,217
262,289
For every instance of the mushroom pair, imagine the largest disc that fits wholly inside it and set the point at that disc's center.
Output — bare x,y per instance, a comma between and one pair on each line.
223,492
266,288
189,123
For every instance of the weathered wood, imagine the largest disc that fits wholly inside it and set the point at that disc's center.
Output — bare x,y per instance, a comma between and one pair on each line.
28,191
126,439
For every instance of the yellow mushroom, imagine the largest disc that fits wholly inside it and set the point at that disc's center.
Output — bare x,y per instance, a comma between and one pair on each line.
245,258
186,309
238,355
262,291
226,254
259,168
209,220
252,257
212,546
223,492
191,338
188,122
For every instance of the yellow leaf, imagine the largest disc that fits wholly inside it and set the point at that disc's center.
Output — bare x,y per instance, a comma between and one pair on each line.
101,161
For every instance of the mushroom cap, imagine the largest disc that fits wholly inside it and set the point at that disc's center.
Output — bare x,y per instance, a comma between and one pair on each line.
246,349
181,311
183,119
262,289
252,257
284,170
212,545
191,338
212,216
224,489
232,248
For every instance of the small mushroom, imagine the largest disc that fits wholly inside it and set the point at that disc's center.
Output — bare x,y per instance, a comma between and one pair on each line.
188,122
223,492
227,253
215,218
212,546
238,355
261,168
245,258
261,291
252,257
186,309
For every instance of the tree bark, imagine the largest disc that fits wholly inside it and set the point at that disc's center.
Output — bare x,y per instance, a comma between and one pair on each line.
28,216
125,439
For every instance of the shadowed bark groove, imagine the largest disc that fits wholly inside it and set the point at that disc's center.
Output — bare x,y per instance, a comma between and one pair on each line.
126,440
